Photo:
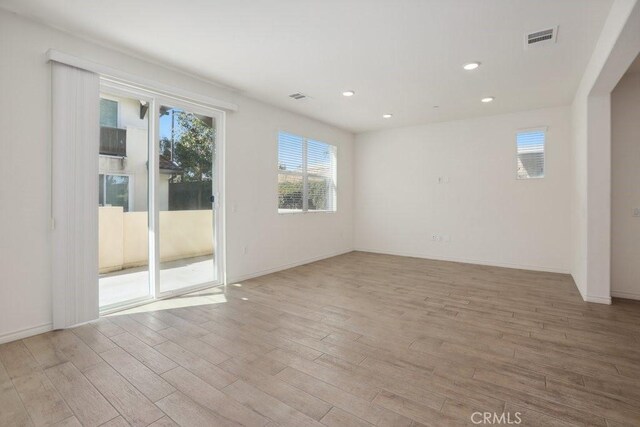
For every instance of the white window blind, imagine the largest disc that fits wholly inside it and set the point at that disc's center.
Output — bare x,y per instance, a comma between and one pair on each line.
74,199
530,154
306,175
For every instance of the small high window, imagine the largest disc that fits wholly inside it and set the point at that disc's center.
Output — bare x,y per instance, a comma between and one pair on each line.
530,159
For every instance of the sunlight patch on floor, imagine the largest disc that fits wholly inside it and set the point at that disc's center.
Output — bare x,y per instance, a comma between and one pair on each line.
189,300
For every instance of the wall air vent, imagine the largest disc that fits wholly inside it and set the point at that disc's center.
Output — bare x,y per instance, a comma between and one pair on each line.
540,38
298,96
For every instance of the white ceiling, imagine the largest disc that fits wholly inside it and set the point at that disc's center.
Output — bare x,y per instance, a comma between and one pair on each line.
400,56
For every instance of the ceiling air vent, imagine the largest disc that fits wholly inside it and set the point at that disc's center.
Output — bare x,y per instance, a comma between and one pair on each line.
298,96
540,38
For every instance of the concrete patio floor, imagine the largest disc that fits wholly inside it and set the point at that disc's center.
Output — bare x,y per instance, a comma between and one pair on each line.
133,283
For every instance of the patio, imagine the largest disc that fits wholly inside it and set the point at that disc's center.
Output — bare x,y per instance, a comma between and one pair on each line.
133,283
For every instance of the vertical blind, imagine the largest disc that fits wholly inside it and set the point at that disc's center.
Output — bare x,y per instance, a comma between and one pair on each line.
306,174
530,154
74,199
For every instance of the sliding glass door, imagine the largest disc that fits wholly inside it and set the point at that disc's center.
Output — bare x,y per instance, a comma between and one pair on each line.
158,197
186,184
123,194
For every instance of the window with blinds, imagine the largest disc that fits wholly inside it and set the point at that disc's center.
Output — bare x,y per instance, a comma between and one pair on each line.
530,154
306,175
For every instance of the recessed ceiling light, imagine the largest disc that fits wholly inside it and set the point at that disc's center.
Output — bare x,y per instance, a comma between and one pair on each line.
471,66
436,106
348,93
387,116
487,99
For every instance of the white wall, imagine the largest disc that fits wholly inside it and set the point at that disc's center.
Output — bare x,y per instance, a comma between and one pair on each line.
625,187
273,241
617,46
490,217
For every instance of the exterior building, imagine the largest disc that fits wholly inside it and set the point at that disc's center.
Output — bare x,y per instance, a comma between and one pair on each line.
124,136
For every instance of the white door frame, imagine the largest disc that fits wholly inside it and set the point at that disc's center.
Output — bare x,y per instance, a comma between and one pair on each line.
155,99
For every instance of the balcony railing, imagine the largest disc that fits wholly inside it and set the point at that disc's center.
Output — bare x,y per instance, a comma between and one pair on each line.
113,141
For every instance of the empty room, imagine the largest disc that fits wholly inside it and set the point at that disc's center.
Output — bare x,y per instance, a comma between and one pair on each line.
320,213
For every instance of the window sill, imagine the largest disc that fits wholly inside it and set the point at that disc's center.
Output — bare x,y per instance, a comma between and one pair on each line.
112,156
530,178
296,212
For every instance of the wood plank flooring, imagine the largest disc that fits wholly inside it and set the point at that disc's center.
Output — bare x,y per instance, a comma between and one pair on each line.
357,340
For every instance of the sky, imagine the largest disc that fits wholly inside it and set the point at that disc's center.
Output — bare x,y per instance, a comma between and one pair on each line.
165,124
532,141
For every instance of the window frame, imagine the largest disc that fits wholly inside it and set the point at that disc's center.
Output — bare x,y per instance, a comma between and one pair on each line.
204,105
543,129
305,177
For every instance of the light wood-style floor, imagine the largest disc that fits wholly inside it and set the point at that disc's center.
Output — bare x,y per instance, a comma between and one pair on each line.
356,340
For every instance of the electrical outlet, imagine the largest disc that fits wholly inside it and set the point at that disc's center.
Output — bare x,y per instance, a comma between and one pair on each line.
636,212
245,250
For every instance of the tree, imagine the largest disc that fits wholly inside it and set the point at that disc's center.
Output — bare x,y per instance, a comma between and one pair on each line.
190,149
290,195
193,147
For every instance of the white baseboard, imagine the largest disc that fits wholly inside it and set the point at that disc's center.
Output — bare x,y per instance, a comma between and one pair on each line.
626,295
467,261
25,333
584,297
599,300
591,298
235,279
